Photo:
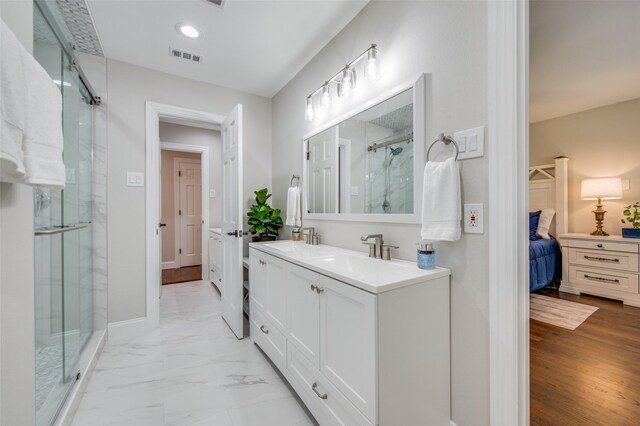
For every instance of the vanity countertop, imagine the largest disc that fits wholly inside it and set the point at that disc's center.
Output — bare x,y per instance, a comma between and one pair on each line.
350,266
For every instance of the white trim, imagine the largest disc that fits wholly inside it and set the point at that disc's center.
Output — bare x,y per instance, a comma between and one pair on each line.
123,331
204,210
169,265
419,139
508,198
345,179
154,113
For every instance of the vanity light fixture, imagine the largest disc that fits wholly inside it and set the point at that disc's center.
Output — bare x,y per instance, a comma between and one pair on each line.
345,81
187,30
308,115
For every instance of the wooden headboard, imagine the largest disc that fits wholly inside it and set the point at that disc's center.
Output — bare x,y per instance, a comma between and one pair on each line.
549,187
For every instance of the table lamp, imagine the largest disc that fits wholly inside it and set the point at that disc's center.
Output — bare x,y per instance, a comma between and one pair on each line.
601,189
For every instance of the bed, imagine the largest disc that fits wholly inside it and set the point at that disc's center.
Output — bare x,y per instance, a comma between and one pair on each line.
548,189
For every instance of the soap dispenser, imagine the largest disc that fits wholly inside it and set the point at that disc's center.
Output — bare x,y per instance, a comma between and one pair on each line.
426,256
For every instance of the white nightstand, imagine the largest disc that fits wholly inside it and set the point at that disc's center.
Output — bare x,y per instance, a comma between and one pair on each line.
602,266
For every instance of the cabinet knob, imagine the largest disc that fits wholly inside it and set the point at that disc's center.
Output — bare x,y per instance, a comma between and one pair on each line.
314,287
319,289
600,246
264,329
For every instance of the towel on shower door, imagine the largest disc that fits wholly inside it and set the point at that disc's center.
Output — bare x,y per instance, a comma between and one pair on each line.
293,207
441,210
12,106
43,140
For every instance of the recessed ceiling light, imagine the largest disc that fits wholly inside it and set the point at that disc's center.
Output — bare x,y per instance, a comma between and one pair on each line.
187,30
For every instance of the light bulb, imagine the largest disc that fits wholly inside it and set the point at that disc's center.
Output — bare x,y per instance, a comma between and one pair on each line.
348,82
371,69
187,30
308,115
325,101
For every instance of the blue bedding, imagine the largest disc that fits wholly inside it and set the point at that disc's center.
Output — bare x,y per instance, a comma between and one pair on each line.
544,262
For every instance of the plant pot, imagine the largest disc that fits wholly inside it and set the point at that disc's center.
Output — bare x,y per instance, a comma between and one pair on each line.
261,238
631,232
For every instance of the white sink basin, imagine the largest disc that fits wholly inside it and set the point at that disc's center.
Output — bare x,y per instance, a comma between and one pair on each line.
352,267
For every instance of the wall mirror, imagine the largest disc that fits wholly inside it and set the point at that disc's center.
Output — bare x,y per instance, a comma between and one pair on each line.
368,164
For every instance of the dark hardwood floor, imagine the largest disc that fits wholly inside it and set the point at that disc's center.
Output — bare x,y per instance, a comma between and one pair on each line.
181,275
589,376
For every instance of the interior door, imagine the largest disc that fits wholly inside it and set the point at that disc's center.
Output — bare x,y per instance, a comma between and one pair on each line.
232,221
323,171
190,212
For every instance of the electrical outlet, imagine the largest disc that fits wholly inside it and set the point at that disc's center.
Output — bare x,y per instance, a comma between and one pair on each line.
212,193
473,219
626,185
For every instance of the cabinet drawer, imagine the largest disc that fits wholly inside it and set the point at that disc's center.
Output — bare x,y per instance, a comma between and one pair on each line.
269,338
621,261
325,402
601,245
610,280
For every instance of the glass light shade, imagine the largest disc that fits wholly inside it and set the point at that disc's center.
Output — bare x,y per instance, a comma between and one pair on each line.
308,115
603,188
348,82
325,100
371,72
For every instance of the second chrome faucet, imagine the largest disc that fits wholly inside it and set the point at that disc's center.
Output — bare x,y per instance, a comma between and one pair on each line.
378,248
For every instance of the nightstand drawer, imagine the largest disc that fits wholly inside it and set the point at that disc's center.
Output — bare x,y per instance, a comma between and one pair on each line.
601,244
618,281
620,261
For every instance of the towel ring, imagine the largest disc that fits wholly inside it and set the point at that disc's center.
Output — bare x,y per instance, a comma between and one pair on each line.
445,140
296,178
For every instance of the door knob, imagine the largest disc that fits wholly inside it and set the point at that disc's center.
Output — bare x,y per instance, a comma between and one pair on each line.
234,233
162,224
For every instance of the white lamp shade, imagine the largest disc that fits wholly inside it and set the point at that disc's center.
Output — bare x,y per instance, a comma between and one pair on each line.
603,188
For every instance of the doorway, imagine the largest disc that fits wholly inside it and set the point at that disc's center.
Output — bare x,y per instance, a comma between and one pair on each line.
181,214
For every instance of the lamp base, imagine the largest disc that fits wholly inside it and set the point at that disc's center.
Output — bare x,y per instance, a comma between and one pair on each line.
599,213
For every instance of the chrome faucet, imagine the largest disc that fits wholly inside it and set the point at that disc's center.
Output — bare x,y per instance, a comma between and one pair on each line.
375,248
311,232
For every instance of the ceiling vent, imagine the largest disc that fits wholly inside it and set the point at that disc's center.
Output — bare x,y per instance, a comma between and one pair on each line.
219,3
187,56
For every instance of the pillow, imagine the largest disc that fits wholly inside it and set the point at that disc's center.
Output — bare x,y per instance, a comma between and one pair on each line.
546,216
534,218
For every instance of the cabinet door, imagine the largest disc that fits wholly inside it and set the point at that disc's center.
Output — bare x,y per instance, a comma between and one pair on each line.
347,342
212,263
276,294
303,312
258,279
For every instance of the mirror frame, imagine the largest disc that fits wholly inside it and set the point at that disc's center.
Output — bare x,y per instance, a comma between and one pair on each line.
419,131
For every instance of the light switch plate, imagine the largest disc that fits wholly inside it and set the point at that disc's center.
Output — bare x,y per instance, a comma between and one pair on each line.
355,191
626,185
473,219
135,179
212,193
470,143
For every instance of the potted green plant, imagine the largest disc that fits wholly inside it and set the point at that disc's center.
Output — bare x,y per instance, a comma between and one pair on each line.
264,220
632,217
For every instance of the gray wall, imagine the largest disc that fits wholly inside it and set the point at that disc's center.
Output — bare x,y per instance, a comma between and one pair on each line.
600,142
448,41
17,316
129,87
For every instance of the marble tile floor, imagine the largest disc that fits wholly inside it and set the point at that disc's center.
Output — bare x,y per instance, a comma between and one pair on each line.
190,371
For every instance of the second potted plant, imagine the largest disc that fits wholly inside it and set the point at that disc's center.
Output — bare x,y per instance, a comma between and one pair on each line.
264,220
632,217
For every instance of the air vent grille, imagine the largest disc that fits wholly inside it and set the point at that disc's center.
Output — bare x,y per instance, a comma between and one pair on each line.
187,56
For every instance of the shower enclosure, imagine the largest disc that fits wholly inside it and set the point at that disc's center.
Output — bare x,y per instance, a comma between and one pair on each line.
64,287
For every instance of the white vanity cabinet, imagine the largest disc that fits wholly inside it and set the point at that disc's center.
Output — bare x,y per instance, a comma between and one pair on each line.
353,356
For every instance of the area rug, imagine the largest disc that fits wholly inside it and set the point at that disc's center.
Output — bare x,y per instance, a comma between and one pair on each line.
558,312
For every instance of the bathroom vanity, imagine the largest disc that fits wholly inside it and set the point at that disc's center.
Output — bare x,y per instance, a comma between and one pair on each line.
362,341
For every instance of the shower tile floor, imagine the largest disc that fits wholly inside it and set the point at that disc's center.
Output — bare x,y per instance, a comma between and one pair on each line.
190,371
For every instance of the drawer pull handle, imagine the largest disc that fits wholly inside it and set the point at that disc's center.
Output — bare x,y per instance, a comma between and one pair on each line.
602,259
314,388
600,279
264,329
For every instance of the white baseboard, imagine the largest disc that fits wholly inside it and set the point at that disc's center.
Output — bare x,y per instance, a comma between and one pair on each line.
169,265
122,331
88,361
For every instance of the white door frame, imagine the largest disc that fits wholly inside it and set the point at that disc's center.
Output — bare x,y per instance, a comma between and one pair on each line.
204,175
154,112
508,88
